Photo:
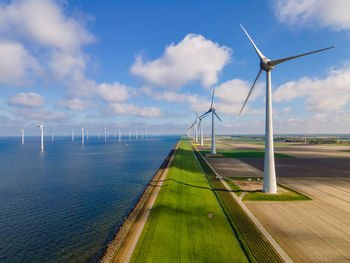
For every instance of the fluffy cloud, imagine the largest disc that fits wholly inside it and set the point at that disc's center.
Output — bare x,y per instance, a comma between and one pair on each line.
54,37
40,114
27,99
15,63
194,58
332,13
43,22
115,92
135,110
321,95
73,104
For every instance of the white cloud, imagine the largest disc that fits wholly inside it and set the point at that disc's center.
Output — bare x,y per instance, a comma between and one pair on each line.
287,110
27,99
15,63
115,92
40,114
134,110
44,22
194,58
323,13
321,95
73,104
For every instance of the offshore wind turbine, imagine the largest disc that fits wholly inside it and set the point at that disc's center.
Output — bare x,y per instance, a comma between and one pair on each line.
105,134
266,64
213,113
22,132
72,135
82,136
42,136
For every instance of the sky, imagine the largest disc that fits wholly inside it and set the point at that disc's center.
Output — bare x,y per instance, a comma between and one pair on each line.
149,65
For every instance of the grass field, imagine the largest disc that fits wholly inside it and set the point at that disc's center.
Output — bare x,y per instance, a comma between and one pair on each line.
290,195
234,187
244,154
254,242
186,223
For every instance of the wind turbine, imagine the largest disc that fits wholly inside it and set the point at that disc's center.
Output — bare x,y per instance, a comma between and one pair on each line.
42,136
213,112
52,136
105,134
200,129
72,135
195,128
82,136
22,132
266,64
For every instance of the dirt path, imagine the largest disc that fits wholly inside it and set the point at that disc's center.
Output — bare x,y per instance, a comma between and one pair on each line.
122,247
149,205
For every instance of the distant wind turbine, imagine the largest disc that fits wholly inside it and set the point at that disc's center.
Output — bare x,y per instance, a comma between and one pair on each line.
200,129
82,136
266,64
72,135
105,134
42,136
22,132
213,112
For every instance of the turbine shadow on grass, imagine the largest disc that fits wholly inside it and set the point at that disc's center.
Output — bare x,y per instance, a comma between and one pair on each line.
194,186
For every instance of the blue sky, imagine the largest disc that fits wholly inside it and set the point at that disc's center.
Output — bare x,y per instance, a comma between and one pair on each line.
148,65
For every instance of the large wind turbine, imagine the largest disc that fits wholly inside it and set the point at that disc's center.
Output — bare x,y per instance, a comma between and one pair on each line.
266,64
200,129
213,112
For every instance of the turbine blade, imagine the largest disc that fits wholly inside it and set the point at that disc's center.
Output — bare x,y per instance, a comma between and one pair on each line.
278,61
251,89
212,98
217,116
205,114
196,114
261,56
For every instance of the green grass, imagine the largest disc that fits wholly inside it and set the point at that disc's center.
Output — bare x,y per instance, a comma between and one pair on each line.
291,195
186,223
257,247
245,154
234,187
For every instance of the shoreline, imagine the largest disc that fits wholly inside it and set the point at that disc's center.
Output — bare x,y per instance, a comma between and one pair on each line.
125,228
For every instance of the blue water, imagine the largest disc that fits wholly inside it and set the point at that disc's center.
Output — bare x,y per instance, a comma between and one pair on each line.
65,204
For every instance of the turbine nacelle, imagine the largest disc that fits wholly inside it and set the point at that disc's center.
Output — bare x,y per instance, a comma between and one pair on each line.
265,64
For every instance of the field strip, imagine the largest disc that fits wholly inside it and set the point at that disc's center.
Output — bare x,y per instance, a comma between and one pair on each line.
273,242
148,209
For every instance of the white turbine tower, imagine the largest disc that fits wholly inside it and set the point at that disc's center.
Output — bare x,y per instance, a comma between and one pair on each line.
42,136
200,129
105,134
213,112
72,135
52,136
266,64
87,135
22,132
195,128
82,136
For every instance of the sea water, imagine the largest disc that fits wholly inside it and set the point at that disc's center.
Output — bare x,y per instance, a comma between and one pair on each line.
65,204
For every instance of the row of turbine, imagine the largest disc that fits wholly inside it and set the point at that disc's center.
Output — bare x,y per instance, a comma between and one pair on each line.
266,64
41,126
195,127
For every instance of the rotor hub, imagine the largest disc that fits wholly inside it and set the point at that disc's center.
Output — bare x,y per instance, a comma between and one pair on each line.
265,64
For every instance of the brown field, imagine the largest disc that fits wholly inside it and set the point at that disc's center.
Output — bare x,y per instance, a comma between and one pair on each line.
309,231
